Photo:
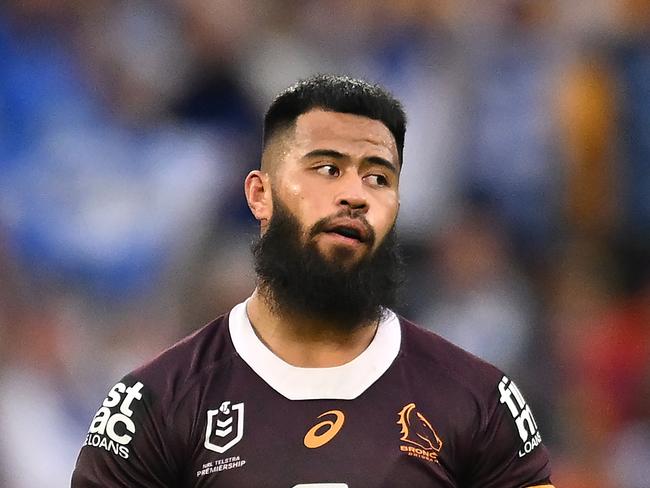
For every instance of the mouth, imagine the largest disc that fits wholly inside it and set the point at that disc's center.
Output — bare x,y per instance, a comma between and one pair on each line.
348,232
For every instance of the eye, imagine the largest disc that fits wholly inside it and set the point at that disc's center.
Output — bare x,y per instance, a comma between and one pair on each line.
328,170
377,180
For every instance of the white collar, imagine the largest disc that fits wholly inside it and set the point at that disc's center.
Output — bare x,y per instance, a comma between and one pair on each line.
344,382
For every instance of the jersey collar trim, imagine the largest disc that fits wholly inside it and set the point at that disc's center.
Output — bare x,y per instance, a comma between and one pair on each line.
344,382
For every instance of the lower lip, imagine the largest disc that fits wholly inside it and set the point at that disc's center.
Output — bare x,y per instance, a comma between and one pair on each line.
343,240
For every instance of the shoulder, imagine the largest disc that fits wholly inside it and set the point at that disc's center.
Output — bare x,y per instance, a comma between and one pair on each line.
174,370
494,430
427,349
454,378
199,350
134,433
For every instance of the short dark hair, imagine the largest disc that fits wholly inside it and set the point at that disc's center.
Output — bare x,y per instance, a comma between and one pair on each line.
337,94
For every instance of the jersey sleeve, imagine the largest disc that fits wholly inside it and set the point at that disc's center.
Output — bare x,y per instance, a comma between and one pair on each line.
508,445
128,443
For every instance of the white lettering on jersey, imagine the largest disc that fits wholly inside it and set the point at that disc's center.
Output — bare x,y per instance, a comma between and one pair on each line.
521,413
113,430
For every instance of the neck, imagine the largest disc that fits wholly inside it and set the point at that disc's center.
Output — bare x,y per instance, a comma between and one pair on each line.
304,341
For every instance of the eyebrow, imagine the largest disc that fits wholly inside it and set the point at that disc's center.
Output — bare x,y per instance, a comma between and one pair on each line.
331,153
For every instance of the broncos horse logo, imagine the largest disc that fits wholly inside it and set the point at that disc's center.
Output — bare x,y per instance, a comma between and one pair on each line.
417,430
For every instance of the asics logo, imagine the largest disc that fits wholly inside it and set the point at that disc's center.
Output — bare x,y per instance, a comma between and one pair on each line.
324,431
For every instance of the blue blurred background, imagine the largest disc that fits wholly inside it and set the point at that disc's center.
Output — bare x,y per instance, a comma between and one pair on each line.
127,126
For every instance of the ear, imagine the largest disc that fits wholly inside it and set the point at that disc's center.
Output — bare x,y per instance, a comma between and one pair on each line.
257,187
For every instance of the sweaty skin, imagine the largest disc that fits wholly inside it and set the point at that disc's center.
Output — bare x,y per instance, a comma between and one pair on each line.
328,164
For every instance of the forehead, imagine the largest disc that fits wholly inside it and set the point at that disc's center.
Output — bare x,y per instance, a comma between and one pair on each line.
349,133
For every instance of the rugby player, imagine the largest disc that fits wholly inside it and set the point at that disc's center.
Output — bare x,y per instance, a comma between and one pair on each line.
314,381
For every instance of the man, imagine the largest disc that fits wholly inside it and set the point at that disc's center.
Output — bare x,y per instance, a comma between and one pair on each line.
314,381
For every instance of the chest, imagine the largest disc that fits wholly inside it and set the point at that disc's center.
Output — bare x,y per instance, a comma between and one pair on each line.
248,435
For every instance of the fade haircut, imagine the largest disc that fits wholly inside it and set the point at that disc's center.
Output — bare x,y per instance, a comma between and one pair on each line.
336,94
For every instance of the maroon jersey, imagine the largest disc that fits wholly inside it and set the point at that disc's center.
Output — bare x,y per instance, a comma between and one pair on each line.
220,410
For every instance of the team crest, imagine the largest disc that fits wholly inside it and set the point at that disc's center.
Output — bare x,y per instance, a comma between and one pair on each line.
417,432
225,427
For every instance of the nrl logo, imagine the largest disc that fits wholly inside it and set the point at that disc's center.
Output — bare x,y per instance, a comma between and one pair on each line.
418,432
225,427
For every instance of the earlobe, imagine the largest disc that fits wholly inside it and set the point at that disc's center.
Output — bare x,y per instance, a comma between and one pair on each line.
257,187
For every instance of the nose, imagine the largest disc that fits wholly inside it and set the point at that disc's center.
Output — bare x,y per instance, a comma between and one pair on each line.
352,194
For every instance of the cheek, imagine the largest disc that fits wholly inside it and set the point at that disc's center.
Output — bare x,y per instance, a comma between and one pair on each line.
294,196
302,201
385,215
291,192
295,191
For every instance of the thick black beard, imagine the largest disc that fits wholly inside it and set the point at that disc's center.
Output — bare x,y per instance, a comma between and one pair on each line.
296,279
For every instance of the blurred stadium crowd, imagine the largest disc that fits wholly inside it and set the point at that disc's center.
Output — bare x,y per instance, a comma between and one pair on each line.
126,128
